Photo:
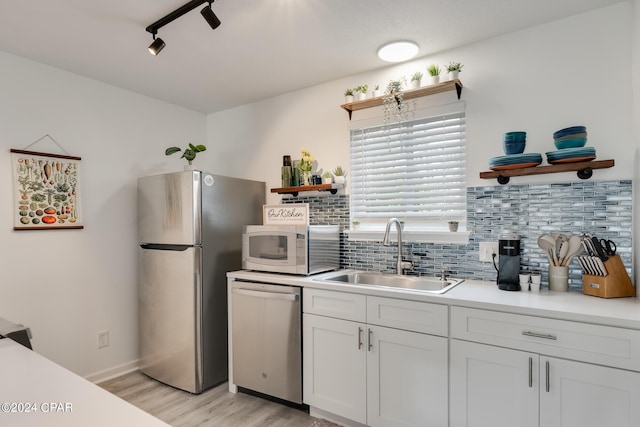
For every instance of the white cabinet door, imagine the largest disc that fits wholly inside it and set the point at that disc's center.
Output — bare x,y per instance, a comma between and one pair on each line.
335,368
584,395
493,386
407,378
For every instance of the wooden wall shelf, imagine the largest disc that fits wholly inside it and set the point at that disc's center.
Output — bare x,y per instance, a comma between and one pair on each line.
584,169
332,188
407,94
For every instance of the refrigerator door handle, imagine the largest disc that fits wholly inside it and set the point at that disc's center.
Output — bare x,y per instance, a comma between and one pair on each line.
164,247
263,294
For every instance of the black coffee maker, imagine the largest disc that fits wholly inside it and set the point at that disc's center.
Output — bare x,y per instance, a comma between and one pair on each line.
509,262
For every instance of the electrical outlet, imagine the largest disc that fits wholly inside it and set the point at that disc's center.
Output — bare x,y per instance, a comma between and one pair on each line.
487,249
103,339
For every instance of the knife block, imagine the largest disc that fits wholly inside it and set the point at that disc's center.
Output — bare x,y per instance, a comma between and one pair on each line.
615,284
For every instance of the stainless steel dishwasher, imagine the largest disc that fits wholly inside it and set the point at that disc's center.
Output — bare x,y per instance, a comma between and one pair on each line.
267,339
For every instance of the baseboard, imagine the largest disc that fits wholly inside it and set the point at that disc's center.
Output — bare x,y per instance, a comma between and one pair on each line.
114,372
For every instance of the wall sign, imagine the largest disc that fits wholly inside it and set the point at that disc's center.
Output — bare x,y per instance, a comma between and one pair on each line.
46,191
290,214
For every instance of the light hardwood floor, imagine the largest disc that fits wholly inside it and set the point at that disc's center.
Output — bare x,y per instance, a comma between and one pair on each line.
215,407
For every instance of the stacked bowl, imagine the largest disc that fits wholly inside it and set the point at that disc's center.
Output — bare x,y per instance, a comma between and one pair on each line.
570,143
514,144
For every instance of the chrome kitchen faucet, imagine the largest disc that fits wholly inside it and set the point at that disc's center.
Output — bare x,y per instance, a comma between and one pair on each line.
401,265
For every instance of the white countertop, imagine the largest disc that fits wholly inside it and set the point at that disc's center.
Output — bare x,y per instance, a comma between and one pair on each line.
34,391
573,305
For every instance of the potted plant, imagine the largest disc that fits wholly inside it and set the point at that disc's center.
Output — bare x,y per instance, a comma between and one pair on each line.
306,166
348,96
416,78
376,91
434,71
355,225
189,153
454,69
339,175
361,92
327,178
453,225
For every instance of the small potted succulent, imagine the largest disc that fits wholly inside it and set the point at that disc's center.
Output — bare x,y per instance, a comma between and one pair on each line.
454,68
355,225
327,178
189,153
376,91
453,225
434,71
339,175
360,92
416,78
348,96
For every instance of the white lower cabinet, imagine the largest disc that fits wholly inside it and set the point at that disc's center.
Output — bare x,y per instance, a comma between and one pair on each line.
494,386
372,374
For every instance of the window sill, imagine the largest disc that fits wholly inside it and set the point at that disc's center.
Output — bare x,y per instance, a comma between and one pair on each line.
456,238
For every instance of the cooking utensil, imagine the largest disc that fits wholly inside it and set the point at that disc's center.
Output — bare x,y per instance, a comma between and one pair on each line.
599,249
609,246
562,254
575,248
548,244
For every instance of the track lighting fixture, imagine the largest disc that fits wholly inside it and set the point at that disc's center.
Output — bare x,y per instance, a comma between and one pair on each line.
210,17
156,46
206,12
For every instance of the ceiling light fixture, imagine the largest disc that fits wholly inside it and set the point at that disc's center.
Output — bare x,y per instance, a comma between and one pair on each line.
157,45
210,17
207,13
398,51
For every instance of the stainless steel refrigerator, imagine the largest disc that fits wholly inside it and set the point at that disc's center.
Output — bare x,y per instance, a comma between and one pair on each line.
190,236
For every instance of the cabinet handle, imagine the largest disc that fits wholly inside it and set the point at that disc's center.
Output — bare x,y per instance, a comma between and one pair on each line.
359,338
370,339
547,374
537,335
530,372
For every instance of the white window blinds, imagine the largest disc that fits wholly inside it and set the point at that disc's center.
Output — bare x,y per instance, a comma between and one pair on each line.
413,170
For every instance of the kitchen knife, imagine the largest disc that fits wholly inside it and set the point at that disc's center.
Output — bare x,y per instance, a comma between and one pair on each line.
601,267
599,249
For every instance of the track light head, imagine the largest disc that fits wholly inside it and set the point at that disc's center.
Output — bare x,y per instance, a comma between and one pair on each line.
157,45
210,17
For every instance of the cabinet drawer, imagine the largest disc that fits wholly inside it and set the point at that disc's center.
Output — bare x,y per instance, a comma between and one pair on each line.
408,315
340,305
599,344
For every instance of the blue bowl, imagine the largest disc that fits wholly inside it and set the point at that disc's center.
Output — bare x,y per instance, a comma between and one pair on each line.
570,143
514,147
515,136
568,131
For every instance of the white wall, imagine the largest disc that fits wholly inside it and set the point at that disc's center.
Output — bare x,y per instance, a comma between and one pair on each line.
636,146
67,285
572,72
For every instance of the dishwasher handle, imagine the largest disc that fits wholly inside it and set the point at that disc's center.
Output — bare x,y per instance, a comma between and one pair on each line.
265,294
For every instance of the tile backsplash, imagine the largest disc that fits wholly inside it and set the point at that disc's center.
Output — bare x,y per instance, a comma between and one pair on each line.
603,208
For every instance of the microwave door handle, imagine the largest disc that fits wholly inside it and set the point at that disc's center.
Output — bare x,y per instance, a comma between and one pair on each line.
264,294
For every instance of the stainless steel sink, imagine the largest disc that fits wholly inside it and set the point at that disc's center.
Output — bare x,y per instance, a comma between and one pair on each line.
431,285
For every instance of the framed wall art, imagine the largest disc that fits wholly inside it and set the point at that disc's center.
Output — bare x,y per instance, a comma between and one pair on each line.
46,191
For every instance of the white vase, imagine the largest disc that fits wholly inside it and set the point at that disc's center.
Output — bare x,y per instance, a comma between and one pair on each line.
327,180
453,75
348,99
339,179
360,96
415,84
435,79
376,93
189,167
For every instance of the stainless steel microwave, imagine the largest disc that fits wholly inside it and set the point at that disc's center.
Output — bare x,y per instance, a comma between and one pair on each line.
292,249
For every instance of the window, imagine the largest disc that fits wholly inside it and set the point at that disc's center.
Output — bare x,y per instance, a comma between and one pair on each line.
414,170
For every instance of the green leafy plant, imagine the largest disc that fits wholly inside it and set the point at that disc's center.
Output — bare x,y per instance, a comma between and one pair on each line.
434,70
416,76
348,92
189,153
377,87
362,89
327,175
454,66
338,171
